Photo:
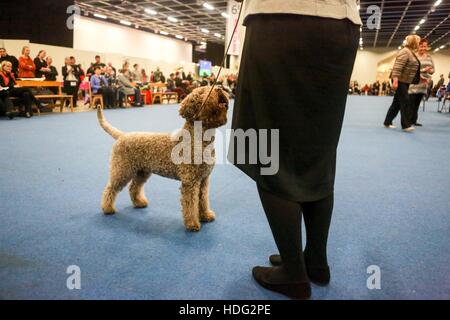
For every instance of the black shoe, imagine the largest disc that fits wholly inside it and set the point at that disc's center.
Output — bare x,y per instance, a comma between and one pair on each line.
294,290
318,275
10,115
418,124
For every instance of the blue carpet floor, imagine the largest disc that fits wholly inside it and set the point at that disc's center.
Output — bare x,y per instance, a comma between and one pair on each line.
392,210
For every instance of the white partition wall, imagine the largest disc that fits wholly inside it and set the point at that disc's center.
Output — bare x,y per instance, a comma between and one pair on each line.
99,36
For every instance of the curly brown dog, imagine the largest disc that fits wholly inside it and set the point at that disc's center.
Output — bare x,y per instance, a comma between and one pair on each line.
135,156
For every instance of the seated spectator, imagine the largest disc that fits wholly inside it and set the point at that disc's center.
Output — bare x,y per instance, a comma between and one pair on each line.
72,78
171,83
136,75
8,80
99,85
189,77
110,76
126,88
172,87
26,65
15,63
6,105
41,65
204,82
111,66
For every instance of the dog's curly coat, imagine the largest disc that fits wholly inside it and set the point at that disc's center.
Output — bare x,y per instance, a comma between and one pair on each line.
135,156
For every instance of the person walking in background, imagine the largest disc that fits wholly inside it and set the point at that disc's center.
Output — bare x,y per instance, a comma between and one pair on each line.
324,35
406,71
418,91
27,67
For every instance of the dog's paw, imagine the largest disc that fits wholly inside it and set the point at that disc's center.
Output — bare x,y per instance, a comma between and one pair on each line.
109,211
208,216
140,203
193,227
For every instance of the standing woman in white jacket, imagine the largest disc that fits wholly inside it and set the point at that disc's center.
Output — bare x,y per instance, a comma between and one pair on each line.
305,50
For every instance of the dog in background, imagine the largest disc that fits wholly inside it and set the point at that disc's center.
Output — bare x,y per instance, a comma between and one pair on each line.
135,156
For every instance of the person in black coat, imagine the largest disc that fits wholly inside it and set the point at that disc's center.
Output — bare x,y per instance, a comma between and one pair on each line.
297,121
41,65
53,73
15,63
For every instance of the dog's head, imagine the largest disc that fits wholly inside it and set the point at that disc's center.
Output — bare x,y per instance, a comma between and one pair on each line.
214,112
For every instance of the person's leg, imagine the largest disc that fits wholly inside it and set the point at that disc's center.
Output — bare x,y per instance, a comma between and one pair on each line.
121,98
68,91
405,107
26,98
137,96
285,219
104,94
110,97
415,102
317,217
393,111
75,94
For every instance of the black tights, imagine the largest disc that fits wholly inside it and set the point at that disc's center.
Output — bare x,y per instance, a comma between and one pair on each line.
285,219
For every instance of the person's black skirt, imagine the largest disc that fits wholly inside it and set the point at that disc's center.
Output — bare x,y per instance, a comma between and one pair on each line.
294,76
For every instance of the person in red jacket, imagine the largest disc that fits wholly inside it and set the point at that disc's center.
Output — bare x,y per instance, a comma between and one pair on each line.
27,67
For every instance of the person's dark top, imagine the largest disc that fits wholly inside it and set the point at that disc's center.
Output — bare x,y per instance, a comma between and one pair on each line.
112,81
40,64
170,84
178,82
51,76
78,72
14,62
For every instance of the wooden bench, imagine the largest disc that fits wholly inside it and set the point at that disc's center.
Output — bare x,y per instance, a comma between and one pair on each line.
48,84
158,93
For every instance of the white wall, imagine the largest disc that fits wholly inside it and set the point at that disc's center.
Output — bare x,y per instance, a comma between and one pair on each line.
442,64
99,36
366,63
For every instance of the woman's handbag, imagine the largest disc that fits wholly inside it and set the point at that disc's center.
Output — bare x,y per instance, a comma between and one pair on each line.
416,79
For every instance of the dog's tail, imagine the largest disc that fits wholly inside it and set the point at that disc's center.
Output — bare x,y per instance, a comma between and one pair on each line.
115,133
